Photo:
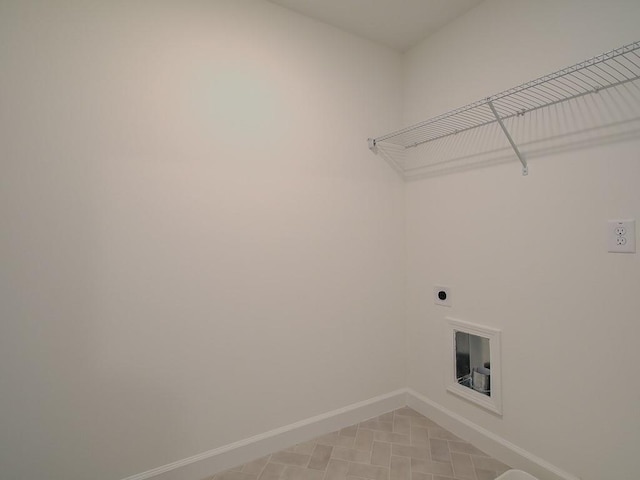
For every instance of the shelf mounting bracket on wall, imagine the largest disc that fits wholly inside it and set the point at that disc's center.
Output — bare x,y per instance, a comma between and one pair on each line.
525,168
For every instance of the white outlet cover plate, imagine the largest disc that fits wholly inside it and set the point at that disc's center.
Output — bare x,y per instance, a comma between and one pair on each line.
436,296
621,236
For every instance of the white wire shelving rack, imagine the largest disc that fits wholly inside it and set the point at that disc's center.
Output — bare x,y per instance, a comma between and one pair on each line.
590,77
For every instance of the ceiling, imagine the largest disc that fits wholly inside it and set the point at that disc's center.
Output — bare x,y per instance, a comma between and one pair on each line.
398,24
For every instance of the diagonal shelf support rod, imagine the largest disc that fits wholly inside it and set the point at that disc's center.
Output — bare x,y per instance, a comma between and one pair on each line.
525,168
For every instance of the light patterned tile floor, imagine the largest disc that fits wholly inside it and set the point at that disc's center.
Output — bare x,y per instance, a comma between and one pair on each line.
399,445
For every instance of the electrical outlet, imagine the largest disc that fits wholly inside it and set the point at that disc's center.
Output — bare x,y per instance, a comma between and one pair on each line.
442,296
621,236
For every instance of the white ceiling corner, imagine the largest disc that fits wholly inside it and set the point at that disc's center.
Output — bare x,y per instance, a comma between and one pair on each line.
398,24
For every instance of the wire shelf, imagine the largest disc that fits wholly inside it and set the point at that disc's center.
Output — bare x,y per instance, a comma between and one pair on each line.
612,69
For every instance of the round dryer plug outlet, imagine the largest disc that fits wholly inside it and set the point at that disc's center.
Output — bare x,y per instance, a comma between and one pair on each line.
442,296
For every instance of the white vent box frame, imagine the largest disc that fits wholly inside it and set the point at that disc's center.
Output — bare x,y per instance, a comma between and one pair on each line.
472,364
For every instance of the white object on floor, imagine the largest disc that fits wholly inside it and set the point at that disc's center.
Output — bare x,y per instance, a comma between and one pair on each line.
516,475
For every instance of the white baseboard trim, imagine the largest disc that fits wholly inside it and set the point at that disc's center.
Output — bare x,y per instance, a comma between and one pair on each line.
487,441
203,465
206,464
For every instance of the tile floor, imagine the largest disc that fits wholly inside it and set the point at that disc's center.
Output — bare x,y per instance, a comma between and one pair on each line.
399,445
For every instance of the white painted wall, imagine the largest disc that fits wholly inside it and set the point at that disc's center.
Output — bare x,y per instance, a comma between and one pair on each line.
197,245
528,254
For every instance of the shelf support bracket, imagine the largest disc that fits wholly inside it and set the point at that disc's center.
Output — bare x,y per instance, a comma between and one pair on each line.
525,168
